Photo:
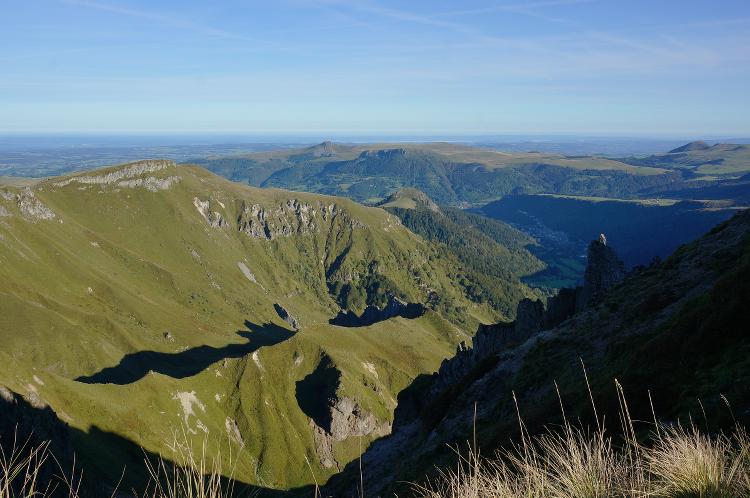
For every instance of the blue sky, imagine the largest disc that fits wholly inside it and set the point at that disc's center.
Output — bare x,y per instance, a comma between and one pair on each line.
659,68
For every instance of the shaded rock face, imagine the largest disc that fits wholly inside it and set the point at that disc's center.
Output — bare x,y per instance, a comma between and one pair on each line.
637,270
604,271
333,417
452,369
530,317
373,314
29,421
562,306
490,338
286,316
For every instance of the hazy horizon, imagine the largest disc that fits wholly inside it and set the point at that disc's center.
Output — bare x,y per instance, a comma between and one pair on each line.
56,140
328,68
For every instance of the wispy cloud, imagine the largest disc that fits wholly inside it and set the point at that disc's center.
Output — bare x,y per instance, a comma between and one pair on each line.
97,48
716,23
524,8
172,21
53,53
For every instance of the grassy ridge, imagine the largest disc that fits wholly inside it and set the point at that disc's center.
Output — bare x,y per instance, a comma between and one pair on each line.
459,175
489,257
89,297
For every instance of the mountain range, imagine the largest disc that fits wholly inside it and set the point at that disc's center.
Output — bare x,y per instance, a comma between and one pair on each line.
462,175
151,300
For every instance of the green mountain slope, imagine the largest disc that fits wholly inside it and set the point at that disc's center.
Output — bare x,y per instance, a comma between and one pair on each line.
491,254
146,299
674,337
699,158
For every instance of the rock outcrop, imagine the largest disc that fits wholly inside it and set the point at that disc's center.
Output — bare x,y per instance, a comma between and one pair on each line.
385,153
373,314
292,217
120,177
32,208
286,316
214,218
248,274
604,271
334,416
348,419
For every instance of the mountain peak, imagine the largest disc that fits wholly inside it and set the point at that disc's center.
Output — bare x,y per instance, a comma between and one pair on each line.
328,149
696,145
410,198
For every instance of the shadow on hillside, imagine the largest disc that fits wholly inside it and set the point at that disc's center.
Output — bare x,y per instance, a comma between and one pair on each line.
135,366
316,392
101,457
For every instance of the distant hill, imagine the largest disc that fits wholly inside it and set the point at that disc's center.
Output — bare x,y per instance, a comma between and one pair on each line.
459,175
697,145
701,160
410,198
449,174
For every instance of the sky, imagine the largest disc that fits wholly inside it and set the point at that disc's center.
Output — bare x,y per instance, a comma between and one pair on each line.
475,67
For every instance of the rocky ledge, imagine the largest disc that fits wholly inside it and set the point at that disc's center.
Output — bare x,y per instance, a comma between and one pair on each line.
292,217
122,177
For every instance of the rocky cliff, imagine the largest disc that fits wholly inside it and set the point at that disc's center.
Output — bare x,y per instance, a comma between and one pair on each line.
663,334
293,217
604,271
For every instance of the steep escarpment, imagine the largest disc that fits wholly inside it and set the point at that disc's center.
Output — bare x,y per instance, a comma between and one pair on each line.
657,333
604,271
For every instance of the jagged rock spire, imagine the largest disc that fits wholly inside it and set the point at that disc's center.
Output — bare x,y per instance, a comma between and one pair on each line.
604,271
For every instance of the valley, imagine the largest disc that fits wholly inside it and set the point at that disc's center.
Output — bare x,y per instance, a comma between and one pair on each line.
152,298
298,330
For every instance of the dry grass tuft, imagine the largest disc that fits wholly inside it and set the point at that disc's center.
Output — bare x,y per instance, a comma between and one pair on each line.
195,475
685,463
571,463
19,469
